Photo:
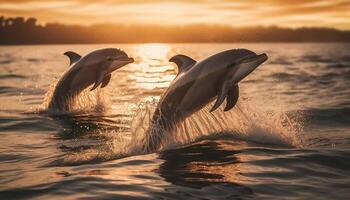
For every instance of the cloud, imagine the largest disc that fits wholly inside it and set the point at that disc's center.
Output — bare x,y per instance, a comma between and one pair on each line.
227,12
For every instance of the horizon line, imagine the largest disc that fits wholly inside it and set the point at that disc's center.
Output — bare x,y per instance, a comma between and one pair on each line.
45,24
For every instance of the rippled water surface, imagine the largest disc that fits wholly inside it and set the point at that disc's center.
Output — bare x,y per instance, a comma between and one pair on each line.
288,138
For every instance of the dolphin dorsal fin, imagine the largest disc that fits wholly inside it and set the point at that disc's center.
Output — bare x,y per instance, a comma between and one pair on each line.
183,62
73,57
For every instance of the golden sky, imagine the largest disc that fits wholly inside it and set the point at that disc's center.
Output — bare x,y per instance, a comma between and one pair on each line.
285,13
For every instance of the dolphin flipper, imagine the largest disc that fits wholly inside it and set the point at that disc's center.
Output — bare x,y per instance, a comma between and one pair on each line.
73,57
232,97
106,81
224,90
99,80
221,96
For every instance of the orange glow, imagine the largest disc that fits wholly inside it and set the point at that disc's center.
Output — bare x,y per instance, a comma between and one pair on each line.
319,13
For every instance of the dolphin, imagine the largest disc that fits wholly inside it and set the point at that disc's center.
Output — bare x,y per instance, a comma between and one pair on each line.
93,68
196,85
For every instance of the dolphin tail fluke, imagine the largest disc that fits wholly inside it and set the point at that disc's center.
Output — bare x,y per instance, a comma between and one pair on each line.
232,97
221,96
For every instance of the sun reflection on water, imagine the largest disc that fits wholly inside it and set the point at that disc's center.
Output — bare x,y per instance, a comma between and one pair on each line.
152,69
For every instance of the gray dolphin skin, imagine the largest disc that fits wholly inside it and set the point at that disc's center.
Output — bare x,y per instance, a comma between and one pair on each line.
196,85
94,68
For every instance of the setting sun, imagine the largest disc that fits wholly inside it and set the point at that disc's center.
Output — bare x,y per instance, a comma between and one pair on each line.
154,51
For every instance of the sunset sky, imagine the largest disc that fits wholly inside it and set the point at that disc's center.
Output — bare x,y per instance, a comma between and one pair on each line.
293,13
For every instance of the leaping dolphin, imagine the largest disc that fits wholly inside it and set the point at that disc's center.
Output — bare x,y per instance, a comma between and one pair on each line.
94,68
196,85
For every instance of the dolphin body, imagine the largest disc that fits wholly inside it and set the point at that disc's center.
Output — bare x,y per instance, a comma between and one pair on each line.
196,85
94,68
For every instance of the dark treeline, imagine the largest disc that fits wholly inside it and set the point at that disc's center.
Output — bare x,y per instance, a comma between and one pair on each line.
26,31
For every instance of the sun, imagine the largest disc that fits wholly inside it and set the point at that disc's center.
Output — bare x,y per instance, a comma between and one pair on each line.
154,51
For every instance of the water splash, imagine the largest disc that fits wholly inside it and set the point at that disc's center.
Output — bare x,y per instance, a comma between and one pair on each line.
245,122
87,101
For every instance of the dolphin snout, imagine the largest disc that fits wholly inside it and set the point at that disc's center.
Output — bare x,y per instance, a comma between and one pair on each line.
131,60
263,57
123,58
254,58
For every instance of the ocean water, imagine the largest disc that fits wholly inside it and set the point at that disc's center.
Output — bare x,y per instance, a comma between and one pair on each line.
288,137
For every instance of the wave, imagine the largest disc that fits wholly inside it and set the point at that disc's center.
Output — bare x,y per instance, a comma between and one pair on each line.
316,58
7,61
345,58
12,76
338,66
15,91
328,116
202,163
322,77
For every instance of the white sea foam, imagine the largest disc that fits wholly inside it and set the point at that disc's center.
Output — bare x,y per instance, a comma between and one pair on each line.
244,122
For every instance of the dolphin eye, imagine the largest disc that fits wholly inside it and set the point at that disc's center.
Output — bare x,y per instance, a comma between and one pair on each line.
232,64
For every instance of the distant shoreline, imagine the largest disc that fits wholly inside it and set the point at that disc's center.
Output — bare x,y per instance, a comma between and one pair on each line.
20,31
126,43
